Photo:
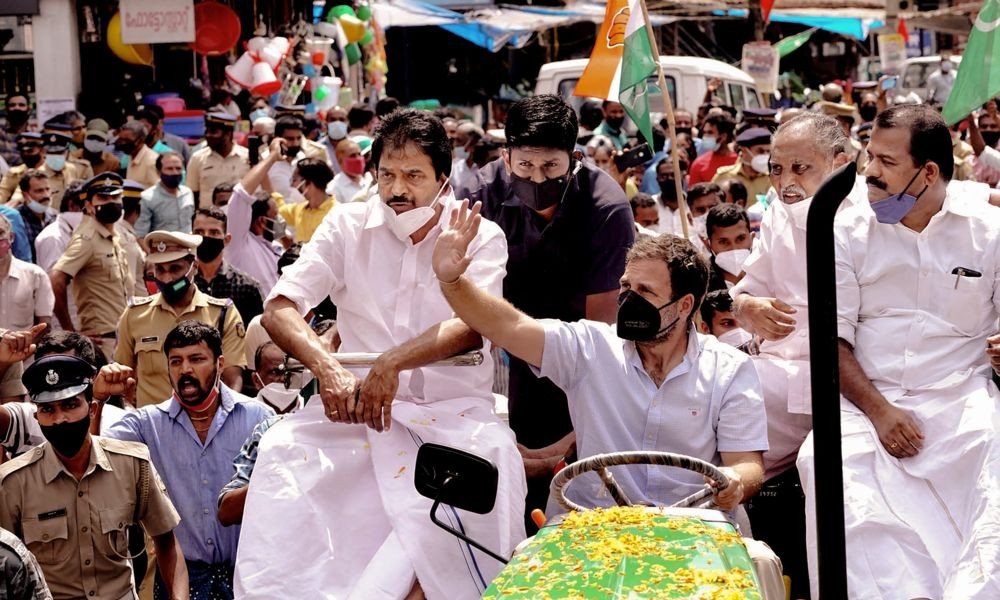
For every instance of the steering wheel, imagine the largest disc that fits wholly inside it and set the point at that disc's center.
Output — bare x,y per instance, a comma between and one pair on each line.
600,463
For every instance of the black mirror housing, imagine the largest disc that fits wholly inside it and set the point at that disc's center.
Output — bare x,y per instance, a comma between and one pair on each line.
455,477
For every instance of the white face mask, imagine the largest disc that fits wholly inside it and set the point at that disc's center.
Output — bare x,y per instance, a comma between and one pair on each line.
731,261
799,212
94,146
736,337
759,163
278,396
295,197
405,224
337,130
700,226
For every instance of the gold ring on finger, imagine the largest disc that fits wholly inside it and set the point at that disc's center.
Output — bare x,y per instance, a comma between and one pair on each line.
894,445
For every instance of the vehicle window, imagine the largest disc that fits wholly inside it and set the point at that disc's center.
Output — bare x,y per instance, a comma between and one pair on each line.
753,98
653,89
736,93
915,75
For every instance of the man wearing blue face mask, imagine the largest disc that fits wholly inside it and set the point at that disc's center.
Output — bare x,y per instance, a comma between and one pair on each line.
36,209
918,297
568,227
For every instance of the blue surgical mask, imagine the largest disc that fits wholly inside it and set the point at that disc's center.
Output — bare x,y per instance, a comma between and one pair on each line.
709,143
462,153
337,130
94,146
893,209
37,207
55,162
259,113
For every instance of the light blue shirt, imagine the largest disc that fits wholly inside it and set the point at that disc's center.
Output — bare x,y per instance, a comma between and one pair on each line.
21,248
710,403
162,211
194,473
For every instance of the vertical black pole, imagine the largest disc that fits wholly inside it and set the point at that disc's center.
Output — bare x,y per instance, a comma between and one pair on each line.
825,373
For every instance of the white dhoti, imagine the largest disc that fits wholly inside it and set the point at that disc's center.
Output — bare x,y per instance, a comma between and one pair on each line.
332,512
926,526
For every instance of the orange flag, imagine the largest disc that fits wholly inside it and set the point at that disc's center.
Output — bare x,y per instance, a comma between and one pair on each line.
600,78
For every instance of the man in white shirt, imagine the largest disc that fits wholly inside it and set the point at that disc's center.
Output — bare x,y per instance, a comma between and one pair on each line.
352,178
918,295
254,223
26,297
672,389
371,533
770,301
464,168
940,82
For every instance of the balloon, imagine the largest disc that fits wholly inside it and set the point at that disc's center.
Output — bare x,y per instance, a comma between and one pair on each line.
354,28
367,38
353,52
339,11
364,12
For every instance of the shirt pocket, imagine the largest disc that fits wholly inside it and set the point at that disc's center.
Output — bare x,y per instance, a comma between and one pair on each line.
966,305
113,542
48,540
150,359
110,268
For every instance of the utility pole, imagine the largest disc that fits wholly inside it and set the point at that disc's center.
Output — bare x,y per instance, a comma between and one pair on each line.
756,18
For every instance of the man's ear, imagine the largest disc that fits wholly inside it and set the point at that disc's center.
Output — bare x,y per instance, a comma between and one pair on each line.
704,328
841,160
505,156
227,239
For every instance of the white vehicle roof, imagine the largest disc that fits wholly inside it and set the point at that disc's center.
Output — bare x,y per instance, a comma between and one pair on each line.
706,66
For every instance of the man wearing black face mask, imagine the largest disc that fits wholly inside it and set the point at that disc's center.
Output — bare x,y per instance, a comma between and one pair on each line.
654,384
97,265
611,126
31,155
146,322
17,110
568,227
61,497
215,276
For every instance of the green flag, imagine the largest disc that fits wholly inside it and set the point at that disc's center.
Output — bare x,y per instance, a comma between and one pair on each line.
638,64
978,77
792,43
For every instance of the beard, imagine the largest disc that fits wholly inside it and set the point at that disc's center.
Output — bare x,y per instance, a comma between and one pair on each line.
191,392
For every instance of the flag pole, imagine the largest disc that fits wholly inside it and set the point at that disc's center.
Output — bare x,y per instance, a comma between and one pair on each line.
668,109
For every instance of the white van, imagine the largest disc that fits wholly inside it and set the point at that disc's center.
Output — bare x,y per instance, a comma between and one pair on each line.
687,79
913,77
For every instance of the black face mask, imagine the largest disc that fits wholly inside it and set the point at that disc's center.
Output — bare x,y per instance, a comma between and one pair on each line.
17,117
126,147
108,213
686,130
31,160
539,196
615,122
991,138
291,151
67,438
868,112
639,320
174,291
210,248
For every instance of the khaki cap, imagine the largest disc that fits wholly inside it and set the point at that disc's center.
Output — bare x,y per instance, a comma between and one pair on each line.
166,246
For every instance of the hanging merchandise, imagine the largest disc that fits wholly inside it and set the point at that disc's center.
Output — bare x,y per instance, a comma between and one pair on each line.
134,54
217,28
263,81
339,11
353,28
240,72
353,53
364,11
318,49
367,38
256,68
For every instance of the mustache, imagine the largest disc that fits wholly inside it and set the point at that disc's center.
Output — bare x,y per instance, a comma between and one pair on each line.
185,379
794,189
399,200
875,182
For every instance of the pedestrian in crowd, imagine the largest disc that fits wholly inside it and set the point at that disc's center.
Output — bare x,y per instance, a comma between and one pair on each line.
645,215
940,82
97,266
131,243
730,240
360,121
158,139
78,533
25,292
289,129
770,301
215,276
30,156
308,147
392,549
139,160
21,576
168,205
310,180
270,379
221,162
463,166
718,319
146,322
336,131
193,433
17,110
255,224
46,153
221,194
917,304
735,191
568,227
53,239
67,125
611,126
717,137
94,149
667,204
701,198
353,178
36,205
753,147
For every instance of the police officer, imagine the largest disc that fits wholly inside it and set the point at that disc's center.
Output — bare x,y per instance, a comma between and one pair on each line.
21,577
96,264
71,499
146,321
125,228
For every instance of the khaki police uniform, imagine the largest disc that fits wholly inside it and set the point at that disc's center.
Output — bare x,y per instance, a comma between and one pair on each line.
208,169
129,241
76,529
142,167
102,282
58,180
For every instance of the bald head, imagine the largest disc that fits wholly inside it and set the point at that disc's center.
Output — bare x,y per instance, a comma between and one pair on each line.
468,133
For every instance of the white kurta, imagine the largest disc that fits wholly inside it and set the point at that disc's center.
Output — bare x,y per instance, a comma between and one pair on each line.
929,525
338,500
776,268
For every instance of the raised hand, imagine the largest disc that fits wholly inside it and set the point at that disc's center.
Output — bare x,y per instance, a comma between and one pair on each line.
16,346
450,258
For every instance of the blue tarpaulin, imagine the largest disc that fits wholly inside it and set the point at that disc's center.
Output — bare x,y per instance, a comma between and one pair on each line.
849,26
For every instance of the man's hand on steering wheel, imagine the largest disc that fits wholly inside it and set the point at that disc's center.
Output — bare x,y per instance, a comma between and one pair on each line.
728,498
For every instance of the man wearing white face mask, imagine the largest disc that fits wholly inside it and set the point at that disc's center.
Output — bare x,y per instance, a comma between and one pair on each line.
753,148
269,379
770,301
730,240
373,259
464,168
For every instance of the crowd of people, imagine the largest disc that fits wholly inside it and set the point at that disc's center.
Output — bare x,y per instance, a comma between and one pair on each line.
175,422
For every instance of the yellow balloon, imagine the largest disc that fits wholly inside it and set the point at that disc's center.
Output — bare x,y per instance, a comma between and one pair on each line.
354,28
134,54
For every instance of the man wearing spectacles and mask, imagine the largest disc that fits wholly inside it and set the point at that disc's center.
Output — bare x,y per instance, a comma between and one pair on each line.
568,227
146,322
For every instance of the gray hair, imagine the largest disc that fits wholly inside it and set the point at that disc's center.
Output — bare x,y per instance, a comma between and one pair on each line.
137,128
10,226
824,129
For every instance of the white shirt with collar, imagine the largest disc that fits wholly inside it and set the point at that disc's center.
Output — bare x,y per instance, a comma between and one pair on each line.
345,189
670,219
25,293
250,253
710,403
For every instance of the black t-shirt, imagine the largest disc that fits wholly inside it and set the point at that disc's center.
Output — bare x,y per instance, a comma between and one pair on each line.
551,269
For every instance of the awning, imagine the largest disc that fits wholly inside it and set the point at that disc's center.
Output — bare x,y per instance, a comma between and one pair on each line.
852,26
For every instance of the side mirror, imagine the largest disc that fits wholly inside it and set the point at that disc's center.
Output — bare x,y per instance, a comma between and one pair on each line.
455,477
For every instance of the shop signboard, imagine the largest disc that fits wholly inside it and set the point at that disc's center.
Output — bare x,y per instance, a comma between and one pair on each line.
760,61
163,21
